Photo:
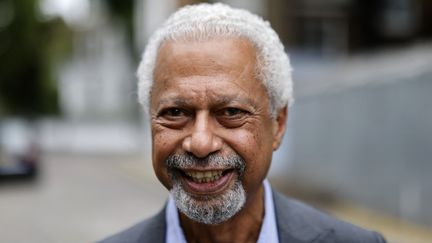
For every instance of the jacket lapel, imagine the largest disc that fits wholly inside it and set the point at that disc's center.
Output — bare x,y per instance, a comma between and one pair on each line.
293,222
155,229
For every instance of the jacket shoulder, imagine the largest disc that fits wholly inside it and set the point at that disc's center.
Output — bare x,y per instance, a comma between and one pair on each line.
298,222
151,230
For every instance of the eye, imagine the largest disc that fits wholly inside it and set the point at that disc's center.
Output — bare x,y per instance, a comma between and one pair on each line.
232,117
232,113
173,117
229,112
172,113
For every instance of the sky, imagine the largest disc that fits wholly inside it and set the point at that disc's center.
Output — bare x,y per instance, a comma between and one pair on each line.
72,11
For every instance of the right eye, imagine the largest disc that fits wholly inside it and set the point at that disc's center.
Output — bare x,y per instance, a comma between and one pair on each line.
172,112
173,117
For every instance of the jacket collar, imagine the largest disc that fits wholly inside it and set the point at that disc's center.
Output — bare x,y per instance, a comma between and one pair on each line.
155,229
295,221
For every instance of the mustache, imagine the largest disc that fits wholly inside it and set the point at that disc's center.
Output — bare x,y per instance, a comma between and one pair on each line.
187,161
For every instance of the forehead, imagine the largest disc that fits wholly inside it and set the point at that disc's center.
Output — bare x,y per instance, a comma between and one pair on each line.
204,57
215,67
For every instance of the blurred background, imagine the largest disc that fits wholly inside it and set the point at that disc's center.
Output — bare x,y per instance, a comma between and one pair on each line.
75,161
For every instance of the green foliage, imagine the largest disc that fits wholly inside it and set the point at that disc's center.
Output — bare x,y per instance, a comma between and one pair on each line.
122,10
30,50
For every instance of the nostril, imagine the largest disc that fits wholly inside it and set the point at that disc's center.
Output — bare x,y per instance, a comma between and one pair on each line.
190,154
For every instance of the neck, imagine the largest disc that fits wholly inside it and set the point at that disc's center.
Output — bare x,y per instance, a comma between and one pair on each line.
243,227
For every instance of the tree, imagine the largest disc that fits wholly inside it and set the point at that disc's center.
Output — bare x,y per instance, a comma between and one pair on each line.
30,50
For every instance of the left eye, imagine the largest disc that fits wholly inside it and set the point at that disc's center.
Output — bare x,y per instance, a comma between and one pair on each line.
232,111
231,117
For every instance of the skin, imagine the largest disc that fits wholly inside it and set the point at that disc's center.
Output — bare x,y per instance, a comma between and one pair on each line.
206,99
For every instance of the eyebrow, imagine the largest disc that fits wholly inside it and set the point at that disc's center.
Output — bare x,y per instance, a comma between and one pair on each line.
222,100
175,100
235,98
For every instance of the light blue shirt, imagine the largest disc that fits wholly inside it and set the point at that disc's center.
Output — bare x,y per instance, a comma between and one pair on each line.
268,233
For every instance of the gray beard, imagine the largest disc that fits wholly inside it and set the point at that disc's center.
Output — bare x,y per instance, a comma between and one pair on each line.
208,210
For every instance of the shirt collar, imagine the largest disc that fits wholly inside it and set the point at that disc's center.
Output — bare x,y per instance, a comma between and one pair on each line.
268,233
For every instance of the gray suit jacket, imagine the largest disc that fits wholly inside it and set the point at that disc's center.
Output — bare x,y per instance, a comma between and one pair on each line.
296,222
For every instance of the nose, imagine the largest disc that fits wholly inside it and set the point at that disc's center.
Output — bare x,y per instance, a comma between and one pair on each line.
202,140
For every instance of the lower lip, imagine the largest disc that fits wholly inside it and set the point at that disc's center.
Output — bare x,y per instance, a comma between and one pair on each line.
207,188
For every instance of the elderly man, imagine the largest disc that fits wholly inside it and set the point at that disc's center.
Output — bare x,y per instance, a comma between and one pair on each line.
217,83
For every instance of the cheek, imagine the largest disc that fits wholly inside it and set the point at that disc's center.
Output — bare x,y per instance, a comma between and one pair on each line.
159,144
253,148
246,143
164,145
165,142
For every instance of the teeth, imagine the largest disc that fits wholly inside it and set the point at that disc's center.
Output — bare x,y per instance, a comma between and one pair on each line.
207,176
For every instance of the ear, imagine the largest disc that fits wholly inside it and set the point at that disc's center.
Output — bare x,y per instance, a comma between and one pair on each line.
279,125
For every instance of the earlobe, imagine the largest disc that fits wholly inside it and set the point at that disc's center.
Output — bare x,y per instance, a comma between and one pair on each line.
279,126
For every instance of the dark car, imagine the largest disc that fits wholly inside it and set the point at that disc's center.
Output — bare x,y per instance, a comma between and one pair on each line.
19,156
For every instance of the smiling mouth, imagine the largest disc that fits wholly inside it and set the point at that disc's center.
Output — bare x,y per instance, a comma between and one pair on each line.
206,182
205,176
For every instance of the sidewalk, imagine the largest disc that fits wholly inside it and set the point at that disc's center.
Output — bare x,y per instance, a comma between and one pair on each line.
79,199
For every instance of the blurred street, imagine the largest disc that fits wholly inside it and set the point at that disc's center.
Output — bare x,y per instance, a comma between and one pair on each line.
78,199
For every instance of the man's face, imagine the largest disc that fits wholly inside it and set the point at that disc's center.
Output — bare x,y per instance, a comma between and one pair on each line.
213,135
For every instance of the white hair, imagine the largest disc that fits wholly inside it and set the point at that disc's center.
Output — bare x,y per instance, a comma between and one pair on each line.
206,21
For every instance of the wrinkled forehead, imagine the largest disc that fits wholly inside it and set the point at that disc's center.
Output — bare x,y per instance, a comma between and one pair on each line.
205,57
